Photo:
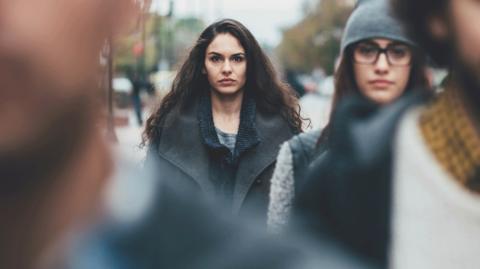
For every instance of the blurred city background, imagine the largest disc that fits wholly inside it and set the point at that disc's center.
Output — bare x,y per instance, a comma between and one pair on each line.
301,37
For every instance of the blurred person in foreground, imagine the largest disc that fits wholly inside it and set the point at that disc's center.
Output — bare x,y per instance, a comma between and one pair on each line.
53,159
401,185
379,63
159,224
220,127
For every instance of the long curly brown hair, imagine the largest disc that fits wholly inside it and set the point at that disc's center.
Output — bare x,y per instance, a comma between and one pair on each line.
270,93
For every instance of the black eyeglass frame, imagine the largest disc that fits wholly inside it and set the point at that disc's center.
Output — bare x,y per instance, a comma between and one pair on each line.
380,51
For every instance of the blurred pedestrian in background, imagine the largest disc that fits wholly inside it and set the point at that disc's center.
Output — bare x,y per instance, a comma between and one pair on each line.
138,84
53,158
220,127
400,185
293,81
379,63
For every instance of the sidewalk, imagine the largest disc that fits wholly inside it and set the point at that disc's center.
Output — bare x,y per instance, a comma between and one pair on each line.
129,137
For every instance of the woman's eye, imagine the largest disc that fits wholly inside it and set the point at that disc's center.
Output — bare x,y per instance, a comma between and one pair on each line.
215,59
367,50
398,52
238,59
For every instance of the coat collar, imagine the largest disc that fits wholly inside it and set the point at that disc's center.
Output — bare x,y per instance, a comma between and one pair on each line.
182,145
247,136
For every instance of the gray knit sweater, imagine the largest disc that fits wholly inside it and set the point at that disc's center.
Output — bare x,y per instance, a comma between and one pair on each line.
293,153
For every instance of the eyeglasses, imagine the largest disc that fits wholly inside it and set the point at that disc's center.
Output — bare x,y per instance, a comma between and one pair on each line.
368,53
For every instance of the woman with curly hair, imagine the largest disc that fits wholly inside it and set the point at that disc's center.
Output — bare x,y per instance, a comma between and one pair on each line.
220,127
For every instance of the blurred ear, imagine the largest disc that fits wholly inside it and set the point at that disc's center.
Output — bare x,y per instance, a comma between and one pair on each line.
438,27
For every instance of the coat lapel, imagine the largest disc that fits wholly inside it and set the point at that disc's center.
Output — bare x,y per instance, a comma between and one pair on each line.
181,146
273,130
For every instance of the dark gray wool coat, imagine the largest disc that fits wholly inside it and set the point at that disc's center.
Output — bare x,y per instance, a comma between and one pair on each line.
182,156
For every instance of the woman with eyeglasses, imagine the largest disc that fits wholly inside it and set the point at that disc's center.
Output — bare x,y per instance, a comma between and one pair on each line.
378,63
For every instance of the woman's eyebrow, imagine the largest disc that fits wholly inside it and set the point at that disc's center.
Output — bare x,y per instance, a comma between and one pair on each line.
219,54
396,43
391,44
369,42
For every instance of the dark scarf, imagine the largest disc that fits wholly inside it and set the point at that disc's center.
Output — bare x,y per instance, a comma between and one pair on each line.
247,136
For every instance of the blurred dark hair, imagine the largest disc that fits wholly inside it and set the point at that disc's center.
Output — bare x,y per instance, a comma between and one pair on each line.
271,95
415,15
345,84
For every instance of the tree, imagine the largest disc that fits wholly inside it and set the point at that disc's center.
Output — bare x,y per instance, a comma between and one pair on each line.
315,40
167,40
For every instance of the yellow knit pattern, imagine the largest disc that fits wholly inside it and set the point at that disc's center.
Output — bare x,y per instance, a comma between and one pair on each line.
450,133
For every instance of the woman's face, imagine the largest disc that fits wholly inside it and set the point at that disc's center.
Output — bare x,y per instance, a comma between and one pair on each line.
226,65
382,69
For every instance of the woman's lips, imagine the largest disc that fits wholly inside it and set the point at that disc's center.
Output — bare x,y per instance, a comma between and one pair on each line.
380,83
226,82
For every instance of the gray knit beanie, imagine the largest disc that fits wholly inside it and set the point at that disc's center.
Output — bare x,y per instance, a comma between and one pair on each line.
373,19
